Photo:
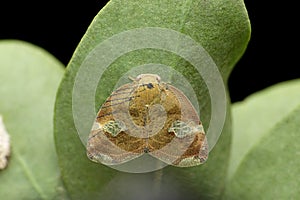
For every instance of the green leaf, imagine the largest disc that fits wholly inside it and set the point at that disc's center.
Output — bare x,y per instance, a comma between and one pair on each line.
268,166
29,78
221,27
257,114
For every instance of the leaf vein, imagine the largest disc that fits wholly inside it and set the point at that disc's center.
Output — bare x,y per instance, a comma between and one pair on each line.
30,176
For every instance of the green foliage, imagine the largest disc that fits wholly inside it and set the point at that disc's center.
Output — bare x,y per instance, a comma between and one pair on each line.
254,159
265,145
29,78
255,116
221,27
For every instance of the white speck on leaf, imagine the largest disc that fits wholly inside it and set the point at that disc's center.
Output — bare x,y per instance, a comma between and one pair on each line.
4,145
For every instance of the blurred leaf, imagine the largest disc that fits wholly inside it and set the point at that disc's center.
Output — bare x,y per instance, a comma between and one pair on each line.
221,27
255,116
268,167
29,78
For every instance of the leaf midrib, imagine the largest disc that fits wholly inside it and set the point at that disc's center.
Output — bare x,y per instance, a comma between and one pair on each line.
29,175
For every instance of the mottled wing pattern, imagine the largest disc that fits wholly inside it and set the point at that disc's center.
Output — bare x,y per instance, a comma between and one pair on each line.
148,117
102,146
183,152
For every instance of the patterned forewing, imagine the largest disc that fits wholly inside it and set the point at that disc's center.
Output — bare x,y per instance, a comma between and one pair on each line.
177,149
102,146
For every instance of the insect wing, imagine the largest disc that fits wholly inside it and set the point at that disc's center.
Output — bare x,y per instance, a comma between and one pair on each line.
190,150
109,143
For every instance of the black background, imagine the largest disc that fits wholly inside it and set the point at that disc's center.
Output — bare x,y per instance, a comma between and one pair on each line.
58,26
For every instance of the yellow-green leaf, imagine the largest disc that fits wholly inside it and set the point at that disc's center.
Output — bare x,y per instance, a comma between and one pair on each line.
265,149
29,78
256,115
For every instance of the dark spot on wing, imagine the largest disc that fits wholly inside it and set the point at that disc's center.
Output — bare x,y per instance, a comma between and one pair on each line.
146,150
149,85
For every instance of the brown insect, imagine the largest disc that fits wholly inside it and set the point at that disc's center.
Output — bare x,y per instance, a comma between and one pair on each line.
148,116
